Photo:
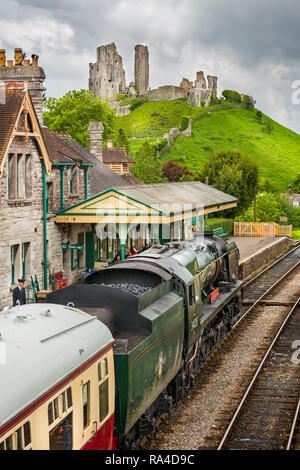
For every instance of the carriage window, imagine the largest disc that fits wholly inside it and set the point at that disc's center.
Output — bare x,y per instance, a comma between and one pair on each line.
50,413
105,366
9,443
99,372
69,397
103,400
86,404
18,440
27,434
59,406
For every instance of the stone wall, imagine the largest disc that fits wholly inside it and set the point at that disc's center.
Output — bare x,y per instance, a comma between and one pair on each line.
167,93
255,263
21,223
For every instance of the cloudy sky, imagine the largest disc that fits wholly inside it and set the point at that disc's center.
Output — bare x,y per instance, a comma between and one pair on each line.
251,45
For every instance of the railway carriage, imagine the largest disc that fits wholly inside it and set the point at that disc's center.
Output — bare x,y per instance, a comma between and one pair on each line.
57,379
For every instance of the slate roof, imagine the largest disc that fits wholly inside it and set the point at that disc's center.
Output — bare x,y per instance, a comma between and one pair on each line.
116,155
9,110
172,194
100,176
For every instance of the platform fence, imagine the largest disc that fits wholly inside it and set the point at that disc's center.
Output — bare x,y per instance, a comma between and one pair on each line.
261,229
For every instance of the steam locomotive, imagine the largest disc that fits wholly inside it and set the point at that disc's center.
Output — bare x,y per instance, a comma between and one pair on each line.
157,316
167,308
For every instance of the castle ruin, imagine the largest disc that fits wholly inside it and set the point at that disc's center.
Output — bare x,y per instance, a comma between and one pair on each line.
107,76
107,80
141,69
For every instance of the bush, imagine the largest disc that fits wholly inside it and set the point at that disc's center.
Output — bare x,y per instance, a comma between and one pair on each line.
161,144
248,101
136,103
184,123
231,95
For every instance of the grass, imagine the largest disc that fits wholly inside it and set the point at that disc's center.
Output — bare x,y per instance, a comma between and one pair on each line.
277,155
218,127
296,234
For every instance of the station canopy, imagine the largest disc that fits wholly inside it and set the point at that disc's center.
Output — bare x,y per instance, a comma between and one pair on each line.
149,203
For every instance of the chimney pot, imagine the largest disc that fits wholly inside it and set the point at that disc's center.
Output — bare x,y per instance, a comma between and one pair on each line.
10,63
35,60
109,144
26,63
2,57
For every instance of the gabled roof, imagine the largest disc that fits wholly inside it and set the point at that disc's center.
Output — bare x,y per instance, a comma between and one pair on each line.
153,203
116,155
15,100
9,111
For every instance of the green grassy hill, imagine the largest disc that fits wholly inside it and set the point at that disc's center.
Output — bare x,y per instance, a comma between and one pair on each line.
216,128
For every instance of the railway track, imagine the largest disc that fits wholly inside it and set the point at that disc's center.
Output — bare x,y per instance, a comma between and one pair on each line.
265,418
259,293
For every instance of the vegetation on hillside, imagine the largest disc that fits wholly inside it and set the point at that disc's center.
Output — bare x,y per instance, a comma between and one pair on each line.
74,111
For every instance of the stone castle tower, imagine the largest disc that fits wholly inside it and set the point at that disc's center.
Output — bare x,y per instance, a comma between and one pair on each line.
107,76
21,70
141,68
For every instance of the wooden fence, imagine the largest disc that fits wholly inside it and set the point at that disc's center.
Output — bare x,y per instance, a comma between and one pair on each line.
261,229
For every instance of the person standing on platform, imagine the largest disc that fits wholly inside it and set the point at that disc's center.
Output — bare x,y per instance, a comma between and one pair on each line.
19,293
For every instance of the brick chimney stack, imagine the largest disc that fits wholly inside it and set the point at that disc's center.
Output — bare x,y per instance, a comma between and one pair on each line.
96,130
20,71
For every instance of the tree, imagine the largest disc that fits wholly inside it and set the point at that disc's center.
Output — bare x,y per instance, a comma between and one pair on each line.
235,174
148,167
120,140
267,186
174,172
74,111
232,95
268,209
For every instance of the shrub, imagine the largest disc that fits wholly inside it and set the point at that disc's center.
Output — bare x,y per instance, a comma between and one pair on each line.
136,103
184,123
231,95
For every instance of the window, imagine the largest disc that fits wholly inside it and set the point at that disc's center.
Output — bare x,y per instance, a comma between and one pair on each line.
103,380
86,404
19,176
18,440
15,262
103,400
59,406
25,259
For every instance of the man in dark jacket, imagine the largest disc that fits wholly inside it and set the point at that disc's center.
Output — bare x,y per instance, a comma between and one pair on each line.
19,293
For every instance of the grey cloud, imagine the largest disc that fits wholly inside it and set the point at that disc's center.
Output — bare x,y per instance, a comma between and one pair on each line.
252,45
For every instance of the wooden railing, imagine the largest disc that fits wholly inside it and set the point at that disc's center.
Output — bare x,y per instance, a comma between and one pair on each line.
261,229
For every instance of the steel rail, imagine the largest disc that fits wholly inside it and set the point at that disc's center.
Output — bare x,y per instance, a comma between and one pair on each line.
293,428
236,414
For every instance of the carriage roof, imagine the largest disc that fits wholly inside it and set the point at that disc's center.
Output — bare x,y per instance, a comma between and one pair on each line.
40,345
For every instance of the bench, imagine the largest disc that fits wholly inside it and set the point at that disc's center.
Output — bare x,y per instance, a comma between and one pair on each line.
219,231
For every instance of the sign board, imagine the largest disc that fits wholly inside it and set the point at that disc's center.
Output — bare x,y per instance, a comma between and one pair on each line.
65,246
283,219
214,295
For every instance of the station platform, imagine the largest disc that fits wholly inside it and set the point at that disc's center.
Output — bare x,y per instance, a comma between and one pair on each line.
258,252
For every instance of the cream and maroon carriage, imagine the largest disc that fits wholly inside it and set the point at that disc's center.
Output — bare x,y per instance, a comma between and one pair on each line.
57,379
